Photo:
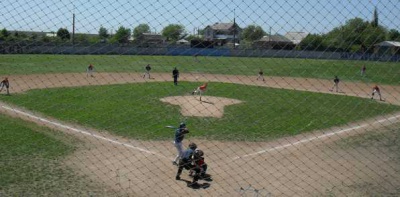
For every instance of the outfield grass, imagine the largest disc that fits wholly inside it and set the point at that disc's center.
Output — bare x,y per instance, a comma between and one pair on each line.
377,72
135,111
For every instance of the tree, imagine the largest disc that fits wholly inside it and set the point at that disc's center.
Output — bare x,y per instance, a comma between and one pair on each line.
140,29
312,42
393,35
173,32
103,33
371,36
4,33
252,33
122,35
82,38
63,34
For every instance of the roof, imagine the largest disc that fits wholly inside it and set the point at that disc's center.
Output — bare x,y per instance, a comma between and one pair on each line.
222,26
388,44
182,41
296,37
274,38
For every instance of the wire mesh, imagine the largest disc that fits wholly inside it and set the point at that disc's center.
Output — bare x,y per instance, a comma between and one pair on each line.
281,98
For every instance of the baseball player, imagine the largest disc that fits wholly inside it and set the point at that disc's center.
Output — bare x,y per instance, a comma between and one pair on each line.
179,135
5,83
200,167
335,84
261,75
376,89
90,70
363,69
147,72
186,160
175,75
200,90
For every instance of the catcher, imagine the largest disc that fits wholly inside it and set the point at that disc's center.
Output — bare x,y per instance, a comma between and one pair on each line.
200,90
193,160
5,83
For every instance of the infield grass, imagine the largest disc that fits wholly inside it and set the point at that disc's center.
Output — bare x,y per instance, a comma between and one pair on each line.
377,72
135,110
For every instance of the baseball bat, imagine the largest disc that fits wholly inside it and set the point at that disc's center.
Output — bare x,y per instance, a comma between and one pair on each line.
171,127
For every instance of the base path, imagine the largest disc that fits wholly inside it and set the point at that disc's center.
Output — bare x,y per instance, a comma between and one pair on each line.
21,83
303,165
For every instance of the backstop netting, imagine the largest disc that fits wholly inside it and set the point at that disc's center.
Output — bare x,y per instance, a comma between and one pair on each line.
199,98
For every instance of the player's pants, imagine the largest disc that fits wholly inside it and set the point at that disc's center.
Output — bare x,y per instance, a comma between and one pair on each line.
146,73
179,147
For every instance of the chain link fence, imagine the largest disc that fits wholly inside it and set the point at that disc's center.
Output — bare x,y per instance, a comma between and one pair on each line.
199,98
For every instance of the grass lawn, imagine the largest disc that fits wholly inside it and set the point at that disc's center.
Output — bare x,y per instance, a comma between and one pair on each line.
135,111
30,161
377,72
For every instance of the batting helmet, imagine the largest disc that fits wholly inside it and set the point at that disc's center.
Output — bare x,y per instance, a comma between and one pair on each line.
182,125
192,146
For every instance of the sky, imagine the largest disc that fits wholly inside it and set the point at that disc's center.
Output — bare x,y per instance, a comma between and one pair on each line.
280,16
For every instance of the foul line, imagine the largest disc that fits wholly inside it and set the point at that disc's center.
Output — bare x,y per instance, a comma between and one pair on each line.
315,138
80,131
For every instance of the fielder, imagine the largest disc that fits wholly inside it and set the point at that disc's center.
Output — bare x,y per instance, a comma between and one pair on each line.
376,89
179,135
90,70
200,90
147,72
260,75
335,84
5,83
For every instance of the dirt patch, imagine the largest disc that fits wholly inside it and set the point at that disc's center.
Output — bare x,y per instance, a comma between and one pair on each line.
283,167
208,106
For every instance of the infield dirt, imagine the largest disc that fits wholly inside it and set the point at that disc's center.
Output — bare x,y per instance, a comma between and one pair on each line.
282,167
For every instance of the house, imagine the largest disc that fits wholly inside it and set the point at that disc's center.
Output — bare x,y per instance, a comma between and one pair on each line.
222,33
296,37
387,48
274,42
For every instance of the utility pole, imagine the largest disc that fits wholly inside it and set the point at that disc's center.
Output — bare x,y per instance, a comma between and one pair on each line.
73,25
73,28
234,29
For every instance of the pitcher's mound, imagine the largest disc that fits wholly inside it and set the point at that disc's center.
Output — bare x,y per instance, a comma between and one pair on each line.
209,106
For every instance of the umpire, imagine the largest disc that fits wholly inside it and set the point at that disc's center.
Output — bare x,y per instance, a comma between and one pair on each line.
186,160
175,75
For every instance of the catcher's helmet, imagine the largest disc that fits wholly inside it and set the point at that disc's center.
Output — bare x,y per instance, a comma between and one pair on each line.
192,146
182,125
198,153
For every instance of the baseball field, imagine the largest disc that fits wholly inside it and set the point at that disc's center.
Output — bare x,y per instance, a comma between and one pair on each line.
292,113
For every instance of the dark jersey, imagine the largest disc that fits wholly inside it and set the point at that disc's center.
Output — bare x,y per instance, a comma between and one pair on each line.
336,80
179,135
175,73
5,83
